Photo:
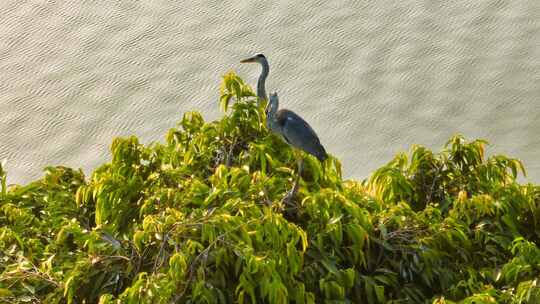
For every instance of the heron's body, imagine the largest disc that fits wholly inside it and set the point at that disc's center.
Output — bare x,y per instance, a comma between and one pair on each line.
294,129
299,134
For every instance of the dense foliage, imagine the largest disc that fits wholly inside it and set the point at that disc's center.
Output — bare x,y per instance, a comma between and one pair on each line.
200,219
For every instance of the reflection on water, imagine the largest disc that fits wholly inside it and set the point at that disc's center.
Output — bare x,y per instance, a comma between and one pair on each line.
371,77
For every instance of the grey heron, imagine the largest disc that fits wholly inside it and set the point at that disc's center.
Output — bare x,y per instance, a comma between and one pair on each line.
261,90
296,132
289,125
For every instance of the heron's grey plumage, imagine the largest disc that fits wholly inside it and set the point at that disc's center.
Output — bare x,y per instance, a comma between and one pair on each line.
299,134
294,129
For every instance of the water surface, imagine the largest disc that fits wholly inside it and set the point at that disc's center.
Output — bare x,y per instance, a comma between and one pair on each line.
372,77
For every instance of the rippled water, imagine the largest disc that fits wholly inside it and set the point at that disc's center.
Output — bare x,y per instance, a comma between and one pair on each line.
372,77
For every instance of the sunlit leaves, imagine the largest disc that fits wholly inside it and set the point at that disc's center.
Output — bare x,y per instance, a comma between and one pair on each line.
200,219
233,86
3,178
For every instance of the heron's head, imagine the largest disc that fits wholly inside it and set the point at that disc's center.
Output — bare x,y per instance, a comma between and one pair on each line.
257,58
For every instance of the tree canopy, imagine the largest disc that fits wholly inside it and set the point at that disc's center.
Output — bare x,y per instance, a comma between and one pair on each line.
200,219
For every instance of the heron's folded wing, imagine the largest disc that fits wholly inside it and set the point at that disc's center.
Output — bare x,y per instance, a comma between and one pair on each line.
299,134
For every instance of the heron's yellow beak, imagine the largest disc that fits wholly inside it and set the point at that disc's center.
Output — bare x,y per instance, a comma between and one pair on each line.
252,59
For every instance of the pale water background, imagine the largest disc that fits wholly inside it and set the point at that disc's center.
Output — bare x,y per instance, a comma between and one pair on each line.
372,77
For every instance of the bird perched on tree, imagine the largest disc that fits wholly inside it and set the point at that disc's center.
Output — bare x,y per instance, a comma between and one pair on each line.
289,125
296,132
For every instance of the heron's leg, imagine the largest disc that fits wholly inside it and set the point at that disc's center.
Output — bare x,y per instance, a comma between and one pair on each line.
290,195
298,173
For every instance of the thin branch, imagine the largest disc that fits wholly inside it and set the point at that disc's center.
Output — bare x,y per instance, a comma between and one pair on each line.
204,254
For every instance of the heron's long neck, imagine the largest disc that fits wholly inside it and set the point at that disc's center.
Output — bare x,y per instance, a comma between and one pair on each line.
261,90
271,120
